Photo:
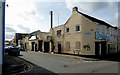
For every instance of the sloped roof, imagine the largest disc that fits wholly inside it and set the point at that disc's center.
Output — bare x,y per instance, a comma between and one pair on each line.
90,18
94,19
32,38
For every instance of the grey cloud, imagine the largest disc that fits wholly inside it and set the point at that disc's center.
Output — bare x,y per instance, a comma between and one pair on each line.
9,36
23,16
31,13
9,29
119,14
114,20
26,29
93,6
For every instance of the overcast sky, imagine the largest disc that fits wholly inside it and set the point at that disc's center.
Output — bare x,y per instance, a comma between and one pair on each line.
26,16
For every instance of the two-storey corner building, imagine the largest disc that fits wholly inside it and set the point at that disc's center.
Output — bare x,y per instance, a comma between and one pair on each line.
86,34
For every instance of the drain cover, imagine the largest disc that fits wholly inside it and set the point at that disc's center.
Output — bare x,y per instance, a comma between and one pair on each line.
65,66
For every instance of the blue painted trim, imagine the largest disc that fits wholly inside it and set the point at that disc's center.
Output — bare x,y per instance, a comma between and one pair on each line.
3,30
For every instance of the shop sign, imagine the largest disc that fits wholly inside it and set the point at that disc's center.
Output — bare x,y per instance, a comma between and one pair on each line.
87,33
102,36
49,38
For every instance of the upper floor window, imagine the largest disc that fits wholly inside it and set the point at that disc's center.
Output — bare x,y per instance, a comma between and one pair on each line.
108,31
59,32
96,27
67,30
103,30
115,33
78,28
112,32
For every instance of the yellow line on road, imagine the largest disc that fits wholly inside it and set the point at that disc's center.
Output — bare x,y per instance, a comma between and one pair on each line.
30,66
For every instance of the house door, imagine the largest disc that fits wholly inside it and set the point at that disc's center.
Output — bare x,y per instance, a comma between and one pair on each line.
46,47
59,48
40,45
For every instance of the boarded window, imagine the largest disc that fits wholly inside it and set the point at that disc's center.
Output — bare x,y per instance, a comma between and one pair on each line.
77,45
68,45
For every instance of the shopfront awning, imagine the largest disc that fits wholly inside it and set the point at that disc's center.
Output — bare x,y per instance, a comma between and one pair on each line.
33,38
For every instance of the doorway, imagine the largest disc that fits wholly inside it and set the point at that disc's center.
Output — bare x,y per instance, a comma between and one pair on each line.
33,43
40,45
59,48
97,48
100,48
46,47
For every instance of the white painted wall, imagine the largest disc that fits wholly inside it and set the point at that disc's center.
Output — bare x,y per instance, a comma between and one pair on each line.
1,33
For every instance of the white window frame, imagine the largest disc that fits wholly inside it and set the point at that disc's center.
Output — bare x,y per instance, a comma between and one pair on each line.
66,30
97,28
103,29
76,28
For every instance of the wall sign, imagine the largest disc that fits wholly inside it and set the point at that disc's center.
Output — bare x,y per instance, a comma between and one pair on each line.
102,36
87,33
49,38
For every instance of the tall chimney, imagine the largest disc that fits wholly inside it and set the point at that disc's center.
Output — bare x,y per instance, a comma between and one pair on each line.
51,13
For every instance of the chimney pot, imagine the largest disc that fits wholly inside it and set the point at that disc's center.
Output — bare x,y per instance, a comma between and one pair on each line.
75,9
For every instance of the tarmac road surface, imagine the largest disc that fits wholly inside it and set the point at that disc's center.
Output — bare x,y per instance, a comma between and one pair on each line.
61,64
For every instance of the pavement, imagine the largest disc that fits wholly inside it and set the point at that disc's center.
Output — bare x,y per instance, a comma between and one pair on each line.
113,57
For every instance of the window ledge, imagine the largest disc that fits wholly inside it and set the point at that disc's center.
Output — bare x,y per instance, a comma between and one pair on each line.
67,33
77,31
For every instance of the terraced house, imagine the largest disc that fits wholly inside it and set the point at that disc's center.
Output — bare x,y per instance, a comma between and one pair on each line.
82,33
87,35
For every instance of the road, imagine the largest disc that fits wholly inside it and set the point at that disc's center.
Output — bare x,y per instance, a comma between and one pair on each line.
61,64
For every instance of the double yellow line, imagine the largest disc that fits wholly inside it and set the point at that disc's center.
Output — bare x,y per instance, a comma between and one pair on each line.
30,66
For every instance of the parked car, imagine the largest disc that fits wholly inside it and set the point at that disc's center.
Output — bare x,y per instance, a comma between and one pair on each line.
14,51
21,48
7,48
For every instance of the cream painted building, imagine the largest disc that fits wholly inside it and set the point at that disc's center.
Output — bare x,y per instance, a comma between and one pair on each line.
85,34
82,33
